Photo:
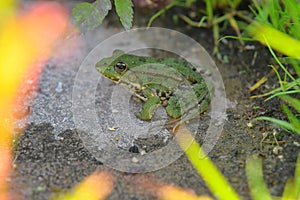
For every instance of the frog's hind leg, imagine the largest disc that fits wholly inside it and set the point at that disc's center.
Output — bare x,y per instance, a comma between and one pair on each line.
149,106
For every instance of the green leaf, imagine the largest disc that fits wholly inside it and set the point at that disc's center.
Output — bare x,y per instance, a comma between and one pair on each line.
124,9
162,11
88,16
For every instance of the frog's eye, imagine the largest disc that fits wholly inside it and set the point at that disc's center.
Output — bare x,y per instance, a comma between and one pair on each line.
120,67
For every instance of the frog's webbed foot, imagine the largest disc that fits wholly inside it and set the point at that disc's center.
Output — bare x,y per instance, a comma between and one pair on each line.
149,107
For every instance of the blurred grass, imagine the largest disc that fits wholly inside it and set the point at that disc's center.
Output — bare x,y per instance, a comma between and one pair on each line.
217,183
204,166
258,187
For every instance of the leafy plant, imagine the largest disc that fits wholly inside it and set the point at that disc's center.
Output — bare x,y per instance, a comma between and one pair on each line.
90,15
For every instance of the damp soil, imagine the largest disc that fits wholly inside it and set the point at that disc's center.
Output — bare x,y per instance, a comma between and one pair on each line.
47,162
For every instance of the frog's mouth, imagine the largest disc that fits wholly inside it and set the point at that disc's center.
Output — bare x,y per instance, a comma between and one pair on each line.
112,77
115,79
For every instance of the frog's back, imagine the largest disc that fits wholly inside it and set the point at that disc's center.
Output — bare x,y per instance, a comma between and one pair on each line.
185,68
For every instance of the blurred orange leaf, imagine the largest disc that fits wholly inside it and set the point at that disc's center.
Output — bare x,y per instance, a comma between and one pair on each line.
95,187
169,192
26,39
7,9
23,40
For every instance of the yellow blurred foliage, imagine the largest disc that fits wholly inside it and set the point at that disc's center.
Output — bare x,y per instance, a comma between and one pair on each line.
95,187
7,8
169,192
277,40
23,39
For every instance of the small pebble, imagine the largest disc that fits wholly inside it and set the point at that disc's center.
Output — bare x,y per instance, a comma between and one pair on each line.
59,87
281,157
277,150
135,160
134,149
249,125
112,128
115,111
143,152
296,143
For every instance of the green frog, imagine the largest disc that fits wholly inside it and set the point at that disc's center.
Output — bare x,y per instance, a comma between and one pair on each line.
169,82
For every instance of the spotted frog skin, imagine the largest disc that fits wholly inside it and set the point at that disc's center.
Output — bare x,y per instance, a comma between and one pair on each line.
169,82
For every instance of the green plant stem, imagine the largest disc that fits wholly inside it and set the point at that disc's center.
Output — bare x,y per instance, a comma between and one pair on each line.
278,61
209,11
160,12
193,23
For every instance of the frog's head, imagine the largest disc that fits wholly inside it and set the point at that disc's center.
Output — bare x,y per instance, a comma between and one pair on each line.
116,66
110,67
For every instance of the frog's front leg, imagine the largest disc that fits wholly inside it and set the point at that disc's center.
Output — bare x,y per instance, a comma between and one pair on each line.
173,108
149,106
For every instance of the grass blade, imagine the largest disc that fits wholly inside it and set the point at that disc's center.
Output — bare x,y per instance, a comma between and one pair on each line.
258,188
295,103
278,61
293,119
281,123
